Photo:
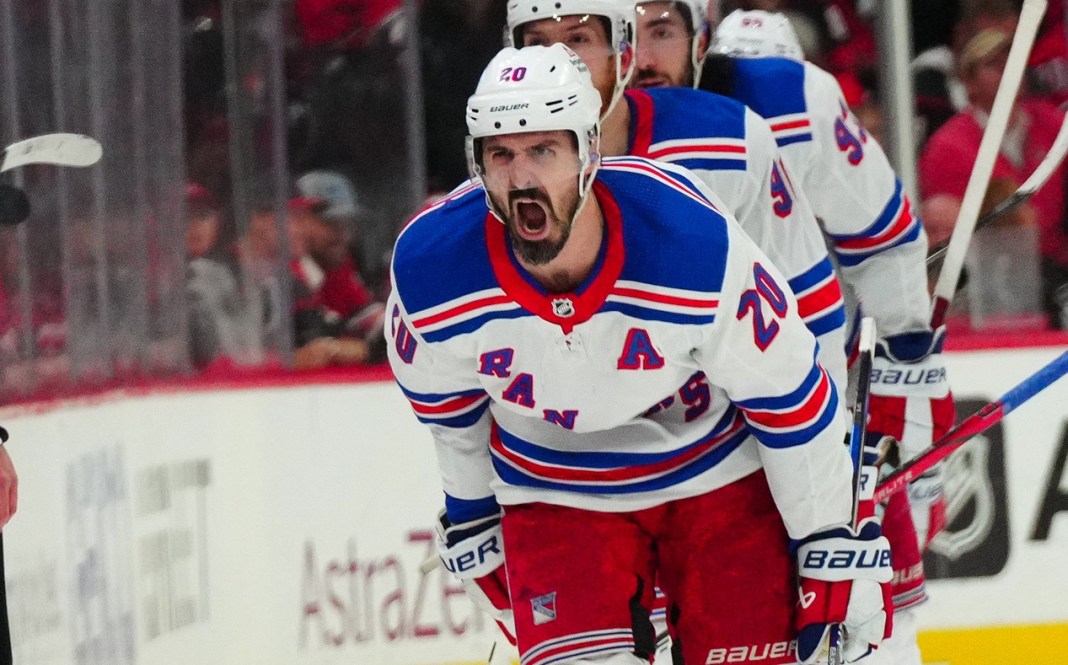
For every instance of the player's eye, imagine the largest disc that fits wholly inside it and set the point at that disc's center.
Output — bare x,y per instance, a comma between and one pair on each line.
578,39
541,151
533,40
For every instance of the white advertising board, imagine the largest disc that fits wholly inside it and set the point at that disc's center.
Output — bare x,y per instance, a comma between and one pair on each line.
286,525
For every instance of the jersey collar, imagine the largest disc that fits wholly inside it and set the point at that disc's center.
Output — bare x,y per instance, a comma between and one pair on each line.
641,122
566,310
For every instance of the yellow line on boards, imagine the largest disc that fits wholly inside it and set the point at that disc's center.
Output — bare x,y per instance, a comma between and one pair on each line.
1002,645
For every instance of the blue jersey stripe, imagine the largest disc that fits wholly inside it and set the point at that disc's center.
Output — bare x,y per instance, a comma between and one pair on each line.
649,314
886,218
711,164
457,422
801,436
790,140
832,320
513,476
793,399
607,460
849,260
812,276
472,324
430,398
465,510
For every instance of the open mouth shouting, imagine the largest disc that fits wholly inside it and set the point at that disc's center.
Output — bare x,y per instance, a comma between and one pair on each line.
531,218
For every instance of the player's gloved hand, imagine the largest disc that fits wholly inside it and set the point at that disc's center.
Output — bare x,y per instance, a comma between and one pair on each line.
844,577
911,402
474,552
926,497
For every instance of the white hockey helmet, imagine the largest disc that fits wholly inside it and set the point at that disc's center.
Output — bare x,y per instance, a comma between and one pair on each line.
696,14
536,89
757,34
620,25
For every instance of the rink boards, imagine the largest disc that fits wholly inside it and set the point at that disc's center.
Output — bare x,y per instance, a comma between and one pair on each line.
285,524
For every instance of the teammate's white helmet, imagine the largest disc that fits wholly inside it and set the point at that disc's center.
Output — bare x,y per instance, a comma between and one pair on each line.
757,34
521,12
620,22
536,89
697,15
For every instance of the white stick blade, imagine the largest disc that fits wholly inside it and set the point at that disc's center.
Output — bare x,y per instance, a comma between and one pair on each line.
60,149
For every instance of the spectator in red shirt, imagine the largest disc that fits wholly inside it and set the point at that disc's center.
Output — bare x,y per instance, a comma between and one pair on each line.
946,162
326,224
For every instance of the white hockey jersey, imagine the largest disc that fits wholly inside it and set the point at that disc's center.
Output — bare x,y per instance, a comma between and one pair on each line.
879,243
679,366
732,150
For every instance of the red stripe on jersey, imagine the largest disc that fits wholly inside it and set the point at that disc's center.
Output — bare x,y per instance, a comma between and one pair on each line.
664,299
664,177
460,309
707,147
642,121
455,404
624,474
790,124
901,224
823,298
804,413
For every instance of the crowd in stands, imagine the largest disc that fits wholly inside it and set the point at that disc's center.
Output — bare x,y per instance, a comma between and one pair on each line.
317,279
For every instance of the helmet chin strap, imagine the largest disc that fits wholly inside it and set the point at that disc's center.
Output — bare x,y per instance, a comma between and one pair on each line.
621,81
698,63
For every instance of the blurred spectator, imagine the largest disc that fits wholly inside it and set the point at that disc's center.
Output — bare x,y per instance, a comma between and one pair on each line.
348,113
939,92
325,216
220,323
945,164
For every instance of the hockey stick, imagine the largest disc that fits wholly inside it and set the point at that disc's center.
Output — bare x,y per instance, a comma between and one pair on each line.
1034,182
61,149
1026,29
856,454
971,426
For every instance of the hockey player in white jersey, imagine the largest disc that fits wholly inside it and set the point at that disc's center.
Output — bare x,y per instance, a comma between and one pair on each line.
727,146
880,246
620,390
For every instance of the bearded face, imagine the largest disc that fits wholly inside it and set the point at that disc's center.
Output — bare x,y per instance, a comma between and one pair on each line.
663,41
532,182
537,227
589,37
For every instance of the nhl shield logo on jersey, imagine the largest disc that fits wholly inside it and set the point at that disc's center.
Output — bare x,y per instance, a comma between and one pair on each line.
563,307
544,608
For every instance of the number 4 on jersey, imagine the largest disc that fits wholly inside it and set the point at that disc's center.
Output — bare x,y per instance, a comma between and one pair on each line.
764,332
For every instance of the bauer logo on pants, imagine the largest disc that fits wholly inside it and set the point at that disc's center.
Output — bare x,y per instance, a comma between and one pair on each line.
544,608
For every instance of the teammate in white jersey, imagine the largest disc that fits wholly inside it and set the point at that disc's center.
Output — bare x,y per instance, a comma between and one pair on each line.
620,390
727,146
879,244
